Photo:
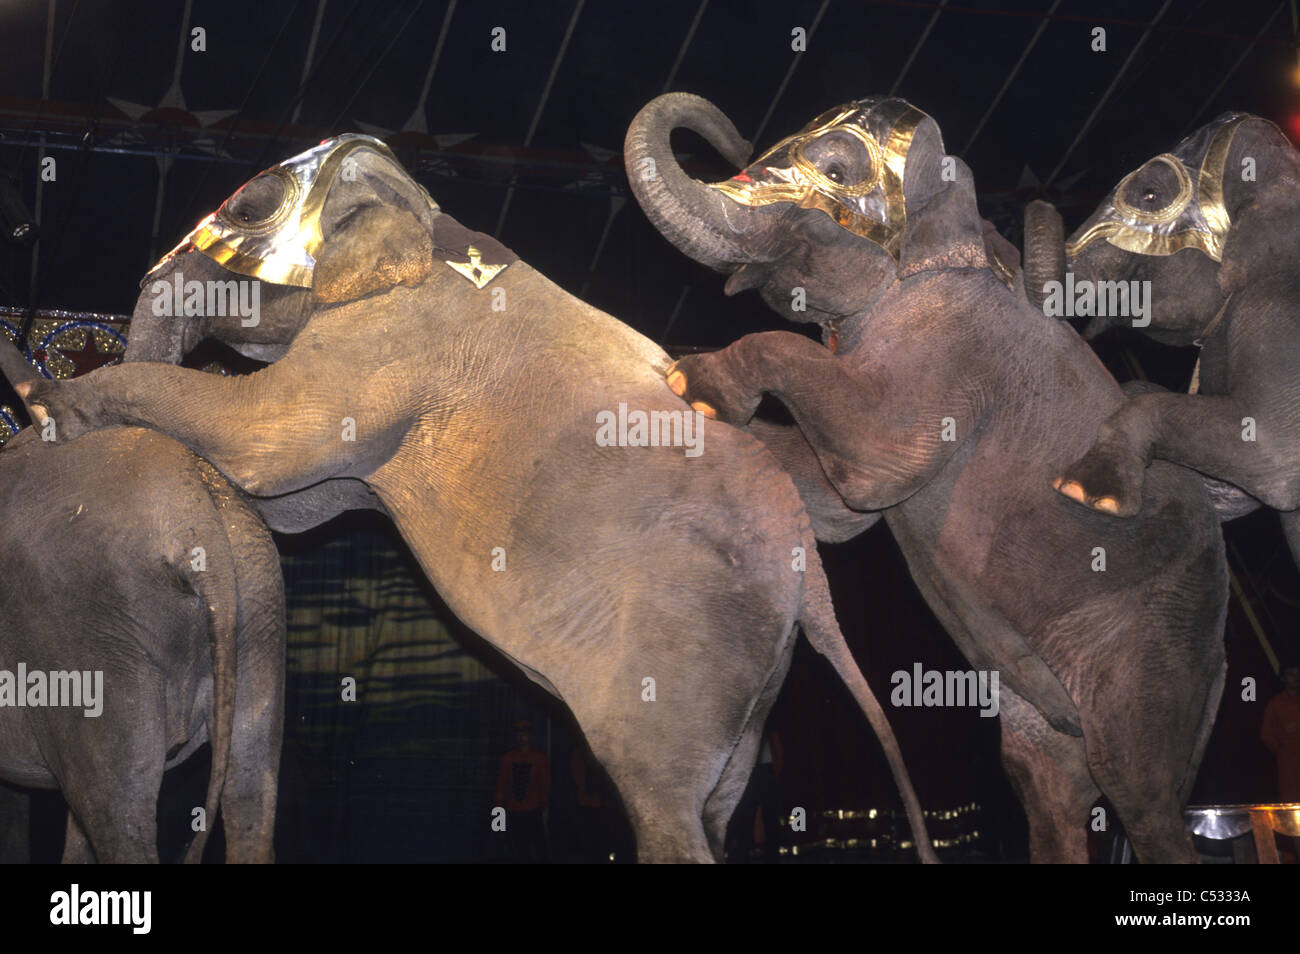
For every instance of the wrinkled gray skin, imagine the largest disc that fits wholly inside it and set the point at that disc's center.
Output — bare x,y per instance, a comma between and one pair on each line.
101,531
1109,680
1248,362
118,513
476,428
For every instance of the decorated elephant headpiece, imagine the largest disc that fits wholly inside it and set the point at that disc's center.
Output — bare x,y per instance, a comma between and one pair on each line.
867,198
1171,202
282,247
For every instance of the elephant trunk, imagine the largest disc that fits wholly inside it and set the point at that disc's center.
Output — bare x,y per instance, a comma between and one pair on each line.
688,213
154,337
1044,250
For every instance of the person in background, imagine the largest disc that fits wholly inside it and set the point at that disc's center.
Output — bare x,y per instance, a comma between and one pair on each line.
523,789
596,842
1280,731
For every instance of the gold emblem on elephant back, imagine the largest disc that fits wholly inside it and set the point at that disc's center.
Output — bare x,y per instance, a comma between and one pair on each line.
476,270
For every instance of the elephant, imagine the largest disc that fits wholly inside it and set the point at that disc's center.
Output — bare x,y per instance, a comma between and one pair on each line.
179,608
1210,227
93,506
938,396
643,565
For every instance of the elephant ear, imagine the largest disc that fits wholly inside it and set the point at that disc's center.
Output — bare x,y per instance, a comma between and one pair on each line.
943,228
1264,205
376,227
1263,234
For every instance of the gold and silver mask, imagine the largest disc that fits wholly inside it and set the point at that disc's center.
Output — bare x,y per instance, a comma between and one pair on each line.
1171,202
281,247
848,162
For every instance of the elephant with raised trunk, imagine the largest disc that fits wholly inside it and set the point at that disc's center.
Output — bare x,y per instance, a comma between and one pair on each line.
938,395
1212,226
651,581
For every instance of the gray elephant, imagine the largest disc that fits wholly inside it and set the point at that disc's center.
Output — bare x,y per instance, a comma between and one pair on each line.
643,565
940,396
137,626
167,602
1211,227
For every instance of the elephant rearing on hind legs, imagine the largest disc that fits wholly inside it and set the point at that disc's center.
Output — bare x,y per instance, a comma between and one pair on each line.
654,589
1214,228
940,396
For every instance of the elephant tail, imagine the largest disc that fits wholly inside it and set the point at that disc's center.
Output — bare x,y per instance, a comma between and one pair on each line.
817,619
218,587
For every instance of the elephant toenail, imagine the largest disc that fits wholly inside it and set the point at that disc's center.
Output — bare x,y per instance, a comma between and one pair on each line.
677,382
1107,505
705,409
1071,489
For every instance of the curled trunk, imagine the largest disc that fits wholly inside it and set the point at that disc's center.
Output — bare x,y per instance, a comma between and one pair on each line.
152,337
1044,250
692,216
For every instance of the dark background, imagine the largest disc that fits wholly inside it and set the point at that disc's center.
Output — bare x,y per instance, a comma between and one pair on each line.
149,136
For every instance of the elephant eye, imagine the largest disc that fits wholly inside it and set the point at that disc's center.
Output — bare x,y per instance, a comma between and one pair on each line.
259,202
840,158
1156,192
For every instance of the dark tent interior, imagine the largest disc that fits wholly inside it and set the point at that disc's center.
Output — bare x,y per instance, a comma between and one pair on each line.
147,130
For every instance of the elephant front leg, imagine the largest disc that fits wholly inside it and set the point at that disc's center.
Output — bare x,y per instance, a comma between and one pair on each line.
283,428
1219,436
877,435
833,520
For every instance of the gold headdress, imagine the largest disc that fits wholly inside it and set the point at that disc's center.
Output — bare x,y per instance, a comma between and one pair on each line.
872,206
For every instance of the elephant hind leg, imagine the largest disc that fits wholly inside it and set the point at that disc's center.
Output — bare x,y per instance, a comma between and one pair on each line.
1049,771
248,800
76,846
722,801
118,823
110,770
666,832
662,794
1291,527
1143,766
1155,828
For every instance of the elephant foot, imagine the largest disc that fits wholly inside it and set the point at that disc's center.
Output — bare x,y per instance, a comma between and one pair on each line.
703,381
1104,482
677,384
1074,490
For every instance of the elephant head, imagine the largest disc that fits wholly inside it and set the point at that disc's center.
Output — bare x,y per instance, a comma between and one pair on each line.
826,218
1197,223
332,224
